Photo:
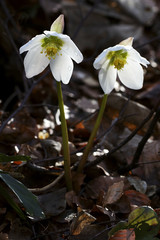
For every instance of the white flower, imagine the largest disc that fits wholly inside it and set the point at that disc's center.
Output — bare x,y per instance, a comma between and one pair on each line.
123,60
51,48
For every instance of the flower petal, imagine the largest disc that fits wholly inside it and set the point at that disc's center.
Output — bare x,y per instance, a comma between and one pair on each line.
72,50
132,75
99,61
35,62
62,67
107,77
135,56
69,46
34,42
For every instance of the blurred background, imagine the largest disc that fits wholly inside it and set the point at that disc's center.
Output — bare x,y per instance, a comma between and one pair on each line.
93,24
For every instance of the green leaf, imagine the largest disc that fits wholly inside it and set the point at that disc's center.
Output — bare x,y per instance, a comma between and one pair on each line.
10,201
145,222
121,225
6,158
28,199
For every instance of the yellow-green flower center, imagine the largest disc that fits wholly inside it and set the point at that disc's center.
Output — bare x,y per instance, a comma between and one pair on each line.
117,58
51,46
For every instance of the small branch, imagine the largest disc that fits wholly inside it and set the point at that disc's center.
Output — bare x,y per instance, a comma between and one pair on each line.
102,158
142,143
47,187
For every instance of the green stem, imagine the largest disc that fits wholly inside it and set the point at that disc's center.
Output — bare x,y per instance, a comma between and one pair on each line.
66,152
93,134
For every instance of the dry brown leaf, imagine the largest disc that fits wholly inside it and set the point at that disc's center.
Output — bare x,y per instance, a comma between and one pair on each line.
53,203
137,198
103,214
21,129
99,184
136,111
114,193
151,153
125,234
82,220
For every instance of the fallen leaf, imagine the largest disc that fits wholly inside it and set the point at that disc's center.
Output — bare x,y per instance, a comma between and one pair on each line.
139,185
82,220
114,193
99,184
125,234
137,198
53,203
151,153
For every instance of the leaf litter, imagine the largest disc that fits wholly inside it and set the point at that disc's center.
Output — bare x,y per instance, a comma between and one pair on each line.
103,202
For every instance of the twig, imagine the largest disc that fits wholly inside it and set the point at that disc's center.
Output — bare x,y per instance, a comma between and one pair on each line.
102,158
47,187
52,184
142,143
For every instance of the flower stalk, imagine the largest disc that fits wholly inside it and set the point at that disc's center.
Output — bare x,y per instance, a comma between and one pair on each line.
66,152
93,134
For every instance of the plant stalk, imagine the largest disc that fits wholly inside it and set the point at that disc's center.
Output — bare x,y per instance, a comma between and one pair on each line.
93,134
66,152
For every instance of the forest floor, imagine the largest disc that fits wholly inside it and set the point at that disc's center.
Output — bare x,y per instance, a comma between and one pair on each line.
123,169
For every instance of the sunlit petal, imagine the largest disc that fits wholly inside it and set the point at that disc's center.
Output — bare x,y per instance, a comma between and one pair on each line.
62,67
99,61
125,60
135,56
132,75
107,78
35,62
34,42
71,49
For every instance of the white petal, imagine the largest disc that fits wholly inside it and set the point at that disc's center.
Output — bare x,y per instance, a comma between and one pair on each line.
132,75
107,78
120,47
100,60
35,62
135,56
69,46
34,42
62,67
53,33
72,50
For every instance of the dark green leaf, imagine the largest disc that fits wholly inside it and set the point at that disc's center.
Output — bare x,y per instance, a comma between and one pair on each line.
28,199
6,158
10,201
145,222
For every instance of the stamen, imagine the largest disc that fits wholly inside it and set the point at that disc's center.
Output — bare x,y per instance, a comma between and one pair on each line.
51,46
117,58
